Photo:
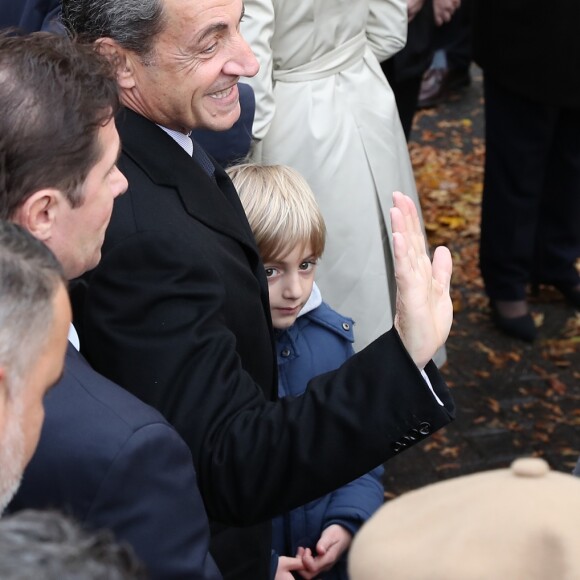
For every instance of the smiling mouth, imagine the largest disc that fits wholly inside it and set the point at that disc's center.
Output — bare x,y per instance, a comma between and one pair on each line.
222,94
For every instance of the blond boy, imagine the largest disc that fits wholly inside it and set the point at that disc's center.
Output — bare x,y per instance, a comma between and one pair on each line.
311,339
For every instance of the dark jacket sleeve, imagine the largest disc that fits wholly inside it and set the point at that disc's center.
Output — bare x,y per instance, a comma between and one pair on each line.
157,327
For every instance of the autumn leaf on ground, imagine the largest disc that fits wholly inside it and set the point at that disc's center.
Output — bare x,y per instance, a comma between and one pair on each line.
498,359
557,385
494,405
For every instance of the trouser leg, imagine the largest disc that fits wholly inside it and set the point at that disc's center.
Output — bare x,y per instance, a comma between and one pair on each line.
518,135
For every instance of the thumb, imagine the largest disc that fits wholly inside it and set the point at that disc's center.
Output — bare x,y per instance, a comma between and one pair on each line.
324,544
442,266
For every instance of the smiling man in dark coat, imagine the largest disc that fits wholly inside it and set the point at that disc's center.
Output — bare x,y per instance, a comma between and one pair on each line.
177,312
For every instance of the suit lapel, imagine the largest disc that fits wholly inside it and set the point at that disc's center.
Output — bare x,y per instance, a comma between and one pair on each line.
216,204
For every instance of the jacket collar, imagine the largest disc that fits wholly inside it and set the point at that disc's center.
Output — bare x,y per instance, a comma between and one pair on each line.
314,301
323,315
216,204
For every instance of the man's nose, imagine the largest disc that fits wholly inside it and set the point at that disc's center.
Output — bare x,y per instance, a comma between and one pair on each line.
120,184
243,62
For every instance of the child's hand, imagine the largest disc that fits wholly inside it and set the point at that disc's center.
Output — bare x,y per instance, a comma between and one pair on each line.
331,545
288,565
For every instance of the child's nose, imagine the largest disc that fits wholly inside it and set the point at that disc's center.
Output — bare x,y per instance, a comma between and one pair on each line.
292,288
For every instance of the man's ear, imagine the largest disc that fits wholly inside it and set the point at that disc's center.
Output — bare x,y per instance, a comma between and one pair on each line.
121,58
38,213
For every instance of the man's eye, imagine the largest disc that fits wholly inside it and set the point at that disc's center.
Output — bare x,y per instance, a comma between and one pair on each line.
210,49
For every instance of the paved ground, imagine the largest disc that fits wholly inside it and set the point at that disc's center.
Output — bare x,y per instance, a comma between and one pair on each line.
513,399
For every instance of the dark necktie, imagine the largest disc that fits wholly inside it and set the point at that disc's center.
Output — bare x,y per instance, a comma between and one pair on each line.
202,158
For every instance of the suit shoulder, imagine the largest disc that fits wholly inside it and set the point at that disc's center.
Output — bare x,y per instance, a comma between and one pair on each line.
90,397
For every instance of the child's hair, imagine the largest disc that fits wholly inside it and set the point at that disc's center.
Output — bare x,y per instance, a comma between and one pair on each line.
281,209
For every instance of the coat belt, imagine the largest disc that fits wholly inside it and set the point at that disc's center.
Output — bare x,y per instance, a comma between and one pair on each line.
335,61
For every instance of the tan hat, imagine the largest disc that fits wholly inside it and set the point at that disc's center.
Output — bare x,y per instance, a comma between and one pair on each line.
521,523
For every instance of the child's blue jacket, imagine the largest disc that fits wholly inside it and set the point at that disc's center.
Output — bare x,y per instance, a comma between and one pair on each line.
320,341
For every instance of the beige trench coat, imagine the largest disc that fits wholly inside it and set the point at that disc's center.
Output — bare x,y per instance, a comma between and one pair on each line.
324,107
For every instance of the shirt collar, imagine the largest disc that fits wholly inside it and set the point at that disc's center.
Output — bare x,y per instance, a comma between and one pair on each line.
184,141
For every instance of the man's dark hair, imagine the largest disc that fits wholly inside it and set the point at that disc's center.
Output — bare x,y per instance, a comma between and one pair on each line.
48,545
134,24
55,94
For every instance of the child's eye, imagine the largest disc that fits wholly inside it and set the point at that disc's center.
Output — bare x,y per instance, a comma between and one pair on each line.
270,272
308,265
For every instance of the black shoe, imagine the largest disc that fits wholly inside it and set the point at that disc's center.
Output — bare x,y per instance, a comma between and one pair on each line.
521,327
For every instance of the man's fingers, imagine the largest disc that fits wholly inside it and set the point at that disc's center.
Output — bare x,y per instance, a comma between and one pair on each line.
411,218
405,221
397,213
442,267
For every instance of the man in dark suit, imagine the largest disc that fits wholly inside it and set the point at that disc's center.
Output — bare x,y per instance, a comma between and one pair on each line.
104,456
35,315
177,311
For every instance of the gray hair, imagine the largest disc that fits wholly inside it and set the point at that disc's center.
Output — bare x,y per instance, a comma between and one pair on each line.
48,545
30,276
134,24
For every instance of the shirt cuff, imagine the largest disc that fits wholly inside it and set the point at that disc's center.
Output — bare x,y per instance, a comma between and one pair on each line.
424,375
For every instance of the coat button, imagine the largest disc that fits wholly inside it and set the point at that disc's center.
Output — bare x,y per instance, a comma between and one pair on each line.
286,352
424,428
346,326
398,446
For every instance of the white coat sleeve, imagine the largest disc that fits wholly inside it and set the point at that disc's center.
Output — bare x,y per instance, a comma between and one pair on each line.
387,27
258,29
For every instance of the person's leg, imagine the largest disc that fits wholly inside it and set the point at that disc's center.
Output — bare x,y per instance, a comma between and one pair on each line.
455,38
518,135
449,69
404,70
406,95
558,234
